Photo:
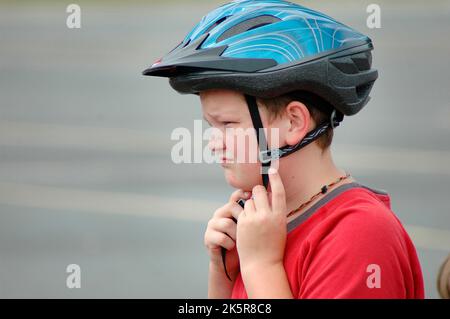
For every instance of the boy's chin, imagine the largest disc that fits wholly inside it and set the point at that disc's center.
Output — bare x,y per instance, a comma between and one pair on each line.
239,182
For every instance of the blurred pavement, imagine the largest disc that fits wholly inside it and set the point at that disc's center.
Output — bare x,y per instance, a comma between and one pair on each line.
85,169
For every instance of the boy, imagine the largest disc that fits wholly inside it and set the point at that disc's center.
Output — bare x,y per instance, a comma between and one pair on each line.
307,229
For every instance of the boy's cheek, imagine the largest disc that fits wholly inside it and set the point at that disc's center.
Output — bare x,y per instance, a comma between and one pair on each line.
242,149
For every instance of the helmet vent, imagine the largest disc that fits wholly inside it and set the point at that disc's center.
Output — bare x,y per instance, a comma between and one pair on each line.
216,24
345,65
363,90
247,25
187,43
363,61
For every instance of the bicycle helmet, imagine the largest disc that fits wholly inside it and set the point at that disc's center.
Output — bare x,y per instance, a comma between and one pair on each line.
267,48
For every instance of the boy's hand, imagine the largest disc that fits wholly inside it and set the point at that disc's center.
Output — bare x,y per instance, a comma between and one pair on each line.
261,229
221,232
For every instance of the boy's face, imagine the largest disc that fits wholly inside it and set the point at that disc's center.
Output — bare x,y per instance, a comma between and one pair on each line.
227,111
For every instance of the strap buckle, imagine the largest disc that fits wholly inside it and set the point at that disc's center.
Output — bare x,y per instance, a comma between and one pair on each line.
269,155
336,118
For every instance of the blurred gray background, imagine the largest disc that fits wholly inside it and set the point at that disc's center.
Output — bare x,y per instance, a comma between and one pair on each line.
86,175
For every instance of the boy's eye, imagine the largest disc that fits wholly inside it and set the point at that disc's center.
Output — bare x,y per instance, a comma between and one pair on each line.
224,123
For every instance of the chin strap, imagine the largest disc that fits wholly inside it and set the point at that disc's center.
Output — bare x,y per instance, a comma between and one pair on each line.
260,137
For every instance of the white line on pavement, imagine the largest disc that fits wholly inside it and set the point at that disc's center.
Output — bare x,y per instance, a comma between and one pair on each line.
37,196
80,137
64,199
373,158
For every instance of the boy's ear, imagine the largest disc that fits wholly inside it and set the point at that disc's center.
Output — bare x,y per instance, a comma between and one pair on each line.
300,122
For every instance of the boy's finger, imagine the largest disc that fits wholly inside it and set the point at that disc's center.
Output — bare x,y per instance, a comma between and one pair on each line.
230,210
249,207
238,194
260,199
278,193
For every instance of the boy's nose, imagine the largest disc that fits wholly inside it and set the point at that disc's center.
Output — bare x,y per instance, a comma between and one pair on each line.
216,143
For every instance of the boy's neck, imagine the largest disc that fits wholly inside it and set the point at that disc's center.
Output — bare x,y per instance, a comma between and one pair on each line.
304,173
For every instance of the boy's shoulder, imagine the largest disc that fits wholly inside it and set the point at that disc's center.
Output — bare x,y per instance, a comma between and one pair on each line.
359,213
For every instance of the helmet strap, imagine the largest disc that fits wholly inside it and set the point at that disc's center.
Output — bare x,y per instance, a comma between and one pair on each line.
266,156
260,136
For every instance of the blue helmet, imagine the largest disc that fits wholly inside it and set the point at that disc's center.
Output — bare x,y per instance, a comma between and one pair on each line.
269,48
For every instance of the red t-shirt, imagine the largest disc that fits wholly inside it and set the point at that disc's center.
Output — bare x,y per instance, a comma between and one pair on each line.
349,245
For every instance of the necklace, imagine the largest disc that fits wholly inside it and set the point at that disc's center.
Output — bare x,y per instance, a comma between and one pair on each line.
323,190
